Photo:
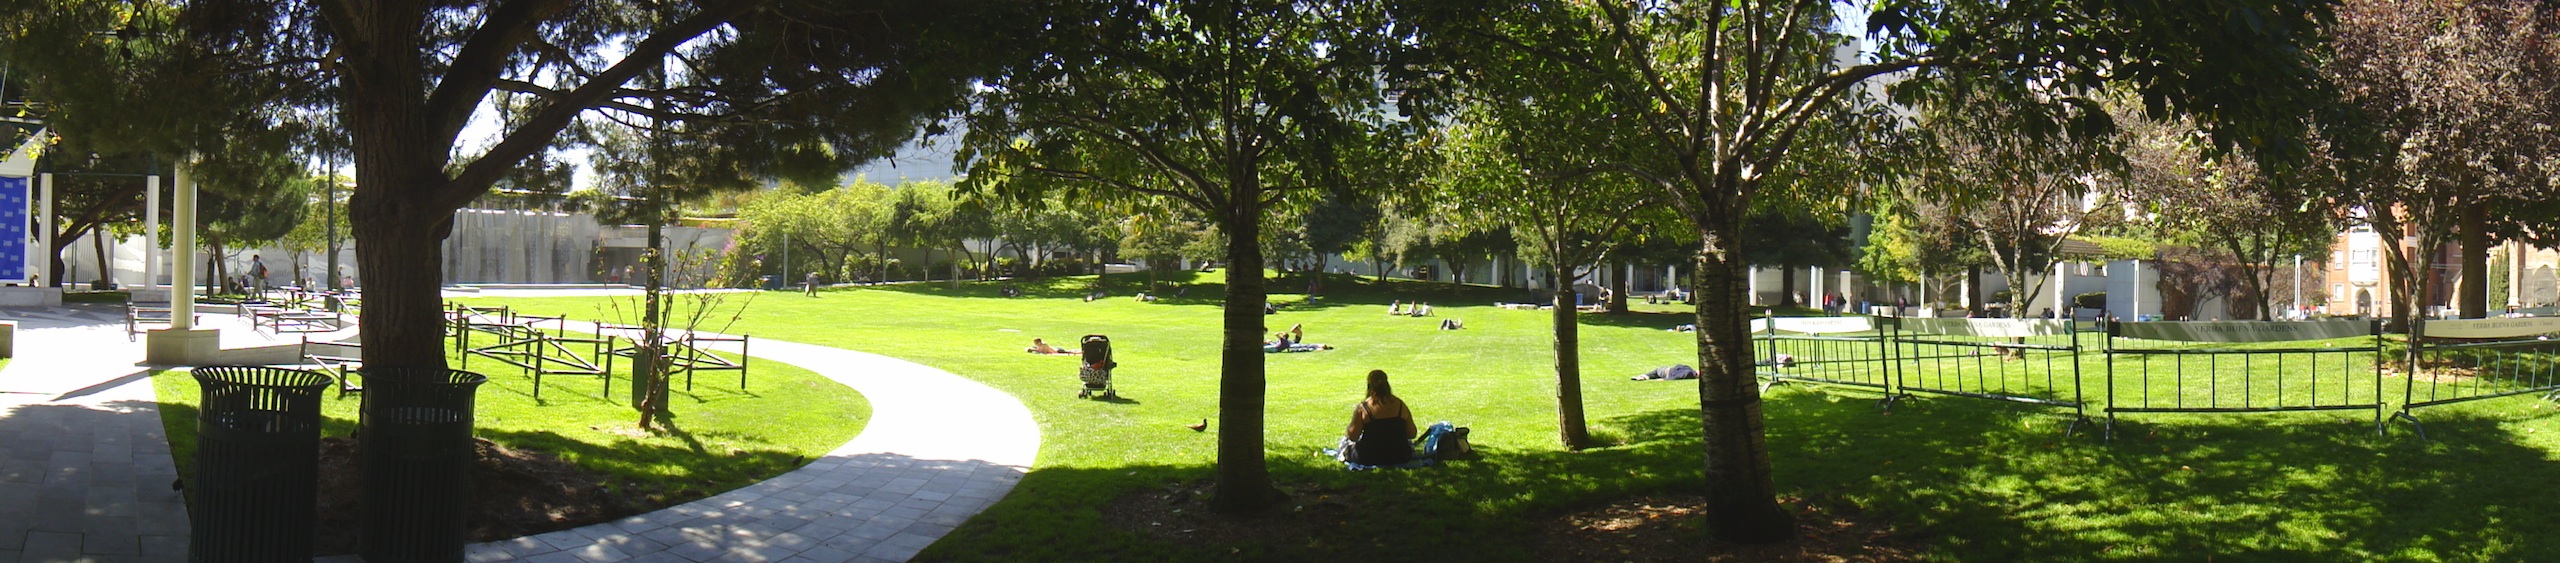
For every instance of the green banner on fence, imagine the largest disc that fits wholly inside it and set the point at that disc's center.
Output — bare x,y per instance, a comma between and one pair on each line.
2491,328
2004,328
1815,325
2245,331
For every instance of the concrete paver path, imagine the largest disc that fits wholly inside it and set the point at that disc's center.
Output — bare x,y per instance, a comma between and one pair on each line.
938,449
84,463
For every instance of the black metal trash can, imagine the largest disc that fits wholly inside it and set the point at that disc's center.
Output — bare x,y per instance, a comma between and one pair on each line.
257,478
416,459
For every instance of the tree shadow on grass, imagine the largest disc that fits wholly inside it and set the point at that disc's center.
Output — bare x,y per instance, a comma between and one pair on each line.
1965,479
1990,481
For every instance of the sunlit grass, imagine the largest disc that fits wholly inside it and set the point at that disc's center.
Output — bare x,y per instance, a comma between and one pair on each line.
719,437
1969,479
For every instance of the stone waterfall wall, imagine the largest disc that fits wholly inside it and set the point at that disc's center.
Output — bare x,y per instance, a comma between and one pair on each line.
505,246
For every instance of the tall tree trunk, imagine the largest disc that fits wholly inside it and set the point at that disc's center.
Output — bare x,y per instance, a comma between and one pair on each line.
1786,288
1570,426
2475,261
649,374
1618,287
397,255
1244,478
1973,290
106,266
1742,501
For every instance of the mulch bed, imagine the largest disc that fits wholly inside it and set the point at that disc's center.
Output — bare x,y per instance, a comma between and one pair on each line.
1642,528
514,493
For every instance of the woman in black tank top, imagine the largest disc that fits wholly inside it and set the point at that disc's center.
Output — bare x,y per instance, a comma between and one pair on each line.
1381,431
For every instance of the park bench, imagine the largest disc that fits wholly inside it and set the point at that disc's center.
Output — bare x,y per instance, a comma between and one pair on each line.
282,317
341,360
147,306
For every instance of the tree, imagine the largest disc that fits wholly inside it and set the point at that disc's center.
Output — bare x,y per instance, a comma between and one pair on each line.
249,206
2019,195
1530,174
1721,91
1227,108
2425,129
316,234
2220,203
833,228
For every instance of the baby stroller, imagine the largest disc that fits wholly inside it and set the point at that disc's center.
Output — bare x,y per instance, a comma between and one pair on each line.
1096,371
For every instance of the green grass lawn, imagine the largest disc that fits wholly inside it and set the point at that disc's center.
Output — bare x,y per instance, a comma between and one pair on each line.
1967,479
719,438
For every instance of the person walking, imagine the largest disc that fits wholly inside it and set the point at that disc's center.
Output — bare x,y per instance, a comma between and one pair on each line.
809,285
257,275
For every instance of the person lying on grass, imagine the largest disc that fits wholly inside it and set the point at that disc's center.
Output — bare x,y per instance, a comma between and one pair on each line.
1381,431
1039,347
1281,342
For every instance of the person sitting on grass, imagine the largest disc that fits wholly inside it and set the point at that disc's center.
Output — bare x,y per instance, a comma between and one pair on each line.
1422,310
1381,431
1039,347
1395,307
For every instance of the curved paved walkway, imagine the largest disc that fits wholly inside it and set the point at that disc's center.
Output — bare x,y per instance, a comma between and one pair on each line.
938,449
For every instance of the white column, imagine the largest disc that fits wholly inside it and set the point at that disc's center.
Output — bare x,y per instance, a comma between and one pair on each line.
1753,281
151,230
44,231
182,247
2061,279
2137,290
1848,290
1813,289
2296,307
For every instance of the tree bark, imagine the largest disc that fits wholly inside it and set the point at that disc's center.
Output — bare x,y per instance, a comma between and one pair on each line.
1570,425
1786,288
1742,500
2475,261
98,242
1973,290
648,374
398,256
1244,478
1618,288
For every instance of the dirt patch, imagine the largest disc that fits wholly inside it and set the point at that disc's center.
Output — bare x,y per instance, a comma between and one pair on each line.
1181,512
1672,528
514,493
2439,372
